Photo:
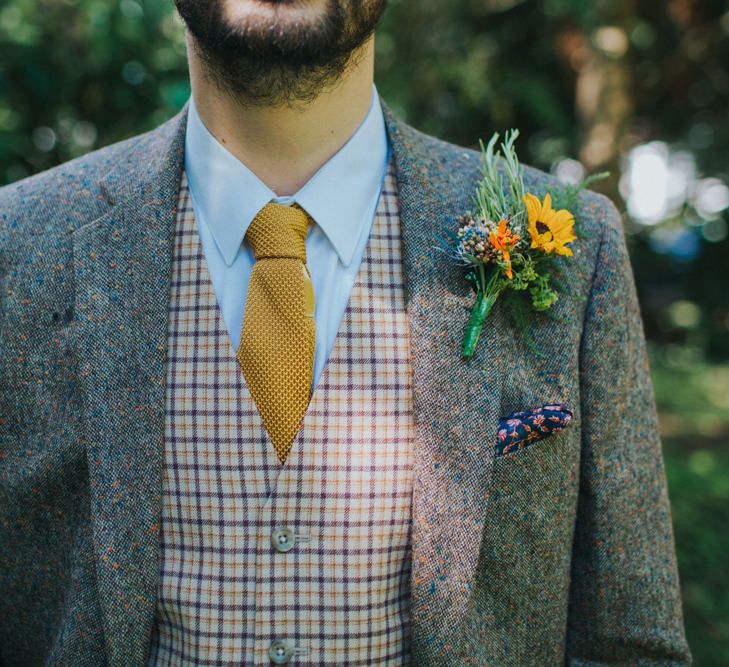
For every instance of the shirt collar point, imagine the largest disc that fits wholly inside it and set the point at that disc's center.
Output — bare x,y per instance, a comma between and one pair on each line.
229,254
345,257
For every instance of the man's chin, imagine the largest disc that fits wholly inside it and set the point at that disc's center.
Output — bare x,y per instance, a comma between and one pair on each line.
275,52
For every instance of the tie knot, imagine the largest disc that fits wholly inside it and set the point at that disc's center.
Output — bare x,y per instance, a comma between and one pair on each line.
279,231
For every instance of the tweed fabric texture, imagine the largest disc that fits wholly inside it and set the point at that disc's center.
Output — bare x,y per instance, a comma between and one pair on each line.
342,596
561,554
276,350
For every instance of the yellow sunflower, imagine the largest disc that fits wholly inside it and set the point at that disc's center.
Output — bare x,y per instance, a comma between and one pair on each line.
550,230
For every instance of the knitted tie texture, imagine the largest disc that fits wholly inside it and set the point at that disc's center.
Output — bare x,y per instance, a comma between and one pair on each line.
276,351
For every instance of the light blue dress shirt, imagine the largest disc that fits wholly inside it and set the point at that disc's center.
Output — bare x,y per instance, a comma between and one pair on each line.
341,197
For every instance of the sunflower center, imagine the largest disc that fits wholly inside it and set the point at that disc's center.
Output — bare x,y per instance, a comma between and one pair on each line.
542,228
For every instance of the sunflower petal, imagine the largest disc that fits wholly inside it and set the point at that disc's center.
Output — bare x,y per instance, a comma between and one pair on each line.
560,219
533,206
547,206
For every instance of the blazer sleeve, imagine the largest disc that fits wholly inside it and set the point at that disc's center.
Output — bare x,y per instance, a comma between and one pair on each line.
625,604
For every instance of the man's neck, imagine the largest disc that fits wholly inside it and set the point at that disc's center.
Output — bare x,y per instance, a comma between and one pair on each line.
285,146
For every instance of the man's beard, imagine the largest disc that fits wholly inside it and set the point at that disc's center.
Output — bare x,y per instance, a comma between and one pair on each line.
271,61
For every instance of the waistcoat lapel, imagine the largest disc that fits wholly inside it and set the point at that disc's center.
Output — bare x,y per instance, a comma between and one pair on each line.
122,266
456,402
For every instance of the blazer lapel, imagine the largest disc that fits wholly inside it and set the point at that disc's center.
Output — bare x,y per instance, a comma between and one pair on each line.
122,265
456,402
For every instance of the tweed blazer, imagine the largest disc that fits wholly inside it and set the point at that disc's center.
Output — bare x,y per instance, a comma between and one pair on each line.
561,554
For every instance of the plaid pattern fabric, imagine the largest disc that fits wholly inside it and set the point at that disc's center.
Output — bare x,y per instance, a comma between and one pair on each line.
341,595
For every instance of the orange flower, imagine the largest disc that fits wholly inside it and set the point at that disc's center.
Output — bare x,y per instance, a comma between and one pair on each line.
503,240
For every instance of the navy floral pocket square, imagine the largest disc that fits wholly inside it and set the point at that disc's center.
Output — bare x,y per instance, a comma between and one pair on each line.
521,429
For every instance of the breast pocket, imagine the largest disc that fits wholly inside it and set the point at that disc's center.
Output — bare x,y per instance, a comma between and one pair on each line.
543,470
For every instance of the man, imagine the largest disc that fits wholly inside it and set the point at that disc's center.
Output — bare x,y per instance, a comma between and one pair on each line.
236,425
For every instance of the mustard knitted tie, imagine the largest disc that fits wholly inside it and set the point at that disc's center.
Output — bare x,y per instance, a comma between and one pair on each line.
276,351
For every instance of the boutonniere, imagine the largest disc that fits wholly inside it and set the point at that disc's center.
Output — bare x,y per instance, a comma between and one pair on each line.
511,238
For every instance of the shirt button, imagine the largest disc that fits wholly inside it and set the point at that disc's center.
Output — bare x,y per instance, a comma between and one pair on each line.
280,652
284,539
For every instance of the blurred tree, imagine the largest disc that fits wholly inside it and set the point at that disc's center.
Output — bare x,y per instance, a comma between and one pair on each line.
78,74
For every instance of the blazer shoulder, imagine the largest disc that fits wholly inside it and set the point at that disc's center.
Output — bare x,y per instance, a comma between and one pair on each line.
38,214
60,199
46,202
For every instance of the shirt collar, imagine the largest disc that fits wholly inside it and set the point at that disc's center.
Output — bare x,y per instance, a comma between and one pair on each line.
341,196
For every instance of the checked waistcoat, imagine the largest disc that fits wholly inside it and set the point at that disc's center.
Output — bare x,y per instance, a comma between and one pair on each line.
340,595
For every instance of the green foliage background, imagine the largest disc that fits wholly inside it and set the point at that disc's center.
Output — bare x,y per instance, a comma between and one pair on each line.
79,74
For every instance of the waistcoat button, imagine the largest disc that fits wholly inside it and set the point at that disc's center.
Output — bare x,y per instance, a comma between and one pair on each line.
280,652
284,539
